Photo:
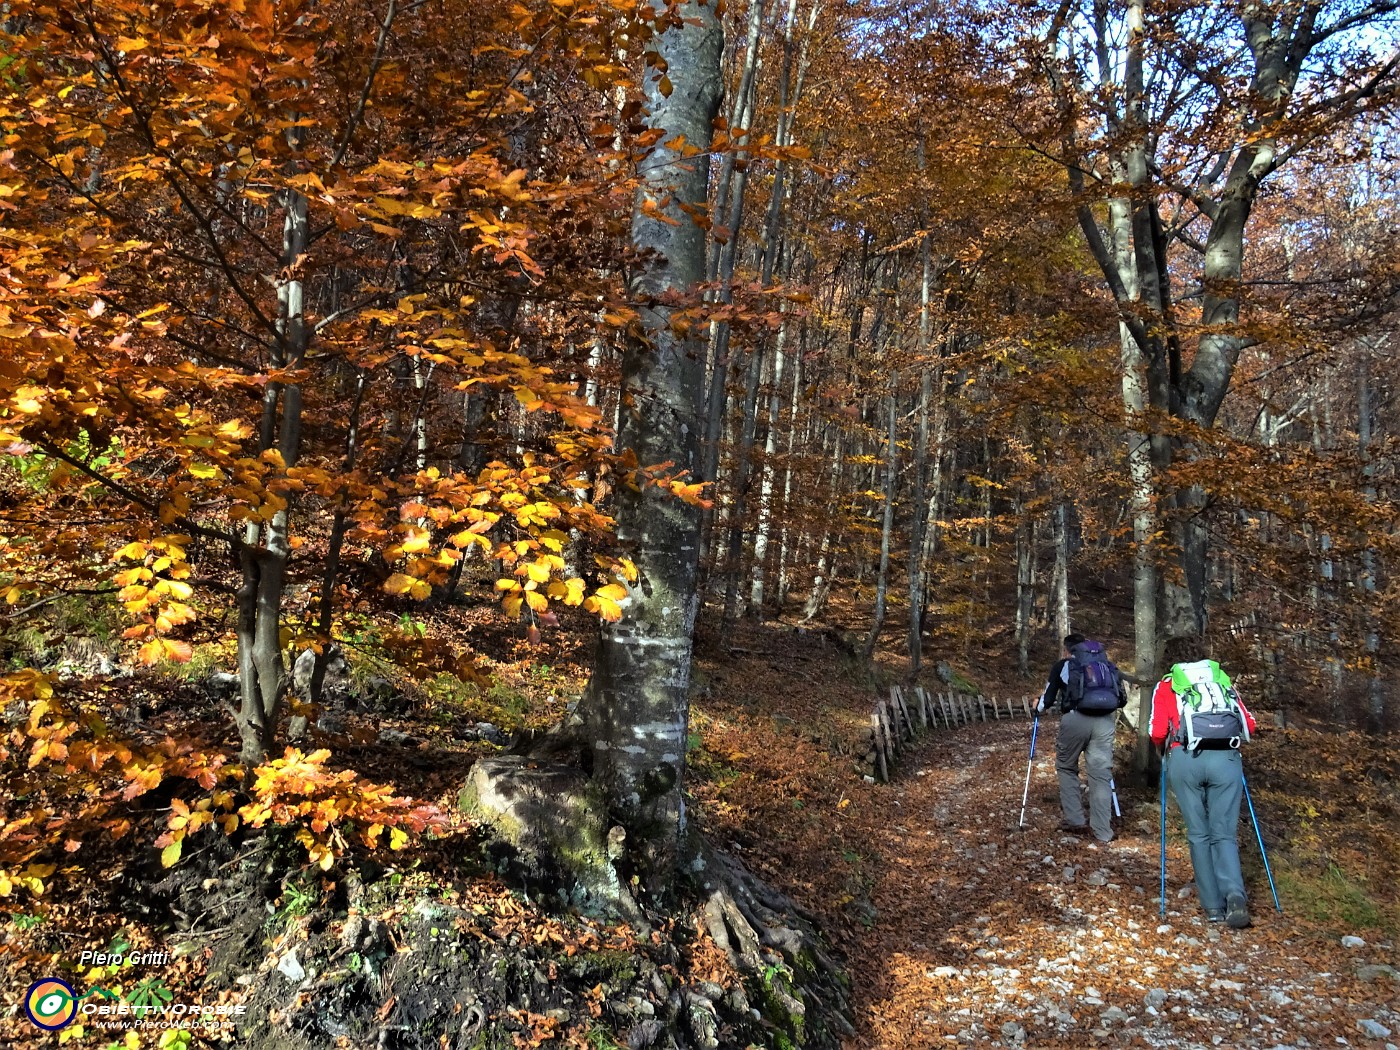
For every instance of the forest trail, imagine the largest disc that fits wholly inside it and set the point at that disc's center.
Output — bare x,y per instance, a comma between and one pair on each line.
992,935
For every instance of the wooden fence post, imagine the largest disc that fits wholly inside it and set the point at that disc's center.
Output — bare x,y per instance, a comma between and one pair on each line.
908,719
882,770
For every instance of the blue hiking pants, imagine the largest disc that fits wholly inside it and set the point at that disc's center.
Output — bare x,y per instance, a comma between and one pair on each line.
1208,786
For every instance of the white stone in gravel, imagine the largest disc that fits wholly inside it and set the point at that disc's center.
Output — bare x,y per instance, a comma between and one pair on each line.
1164,928
1372,1029
945,971
1353,942
291,969
1096,878
1156,997
1069,873
1047,860
1012,1032
1113,1015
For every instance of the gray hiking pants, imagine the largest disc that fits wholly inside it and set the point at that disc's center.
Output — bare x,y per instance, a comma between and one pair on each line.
1092,736
1208,786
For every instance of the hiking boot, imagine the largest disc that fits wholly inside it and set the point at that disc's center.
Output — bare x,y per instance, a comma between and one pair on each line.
1236,912
1073,829
1106,841
1214,914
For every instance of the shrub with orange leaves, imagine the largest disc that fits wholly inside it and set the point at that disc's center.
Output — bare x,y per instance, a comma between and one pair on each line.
66,777
326,809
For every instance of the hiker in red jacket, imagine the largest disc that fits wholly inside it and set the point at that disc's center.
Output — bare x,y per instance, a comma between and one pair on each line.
1199,719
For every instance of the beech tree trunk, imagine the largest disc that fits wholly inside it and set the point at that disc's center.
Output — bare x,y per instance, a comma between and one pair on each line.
263,559
1058,600
729,213
821,581
1025,586
916,527
757,593
1375,707
773,227
882,576
637,706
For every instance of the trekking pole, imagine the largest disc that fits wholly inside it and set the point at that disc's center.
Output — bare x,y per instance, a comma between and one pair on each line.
1035,728
1163,793
1257,834
1113,790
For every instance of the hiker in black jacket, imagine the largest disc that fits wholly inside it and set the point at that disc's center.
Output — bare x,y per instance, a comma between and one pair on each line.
1082,732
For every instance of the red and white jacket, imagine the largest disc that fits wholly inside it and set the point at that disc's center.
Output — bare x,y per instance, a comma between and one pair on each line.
1166,715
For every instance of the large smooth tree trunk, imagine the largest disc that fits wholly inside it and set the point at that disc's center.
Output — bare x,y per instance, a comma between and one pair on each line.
637,706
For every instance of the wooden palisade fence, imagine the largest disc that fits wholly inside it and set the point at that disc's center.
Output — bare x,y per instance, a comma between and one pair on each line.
911,712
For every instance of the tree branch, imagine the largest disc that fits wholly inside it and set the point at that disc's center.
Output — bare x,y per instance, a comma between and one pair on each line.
50,599
146,503
1209,208
375,63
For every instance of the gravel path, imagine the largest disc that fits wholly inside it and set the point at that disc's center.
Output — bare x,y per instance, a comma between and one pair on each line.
997,936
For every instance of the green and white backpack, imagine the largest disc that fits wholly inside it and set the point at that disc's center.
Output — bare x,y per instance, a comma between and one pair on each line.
1208,707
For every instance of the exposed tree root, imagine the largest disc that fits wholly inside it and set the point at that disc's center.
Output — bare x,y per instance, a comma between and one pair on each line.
774,943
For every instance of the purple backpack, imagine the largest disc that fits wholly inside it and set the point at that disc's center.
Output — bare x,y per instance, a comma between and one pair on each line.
1094,684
